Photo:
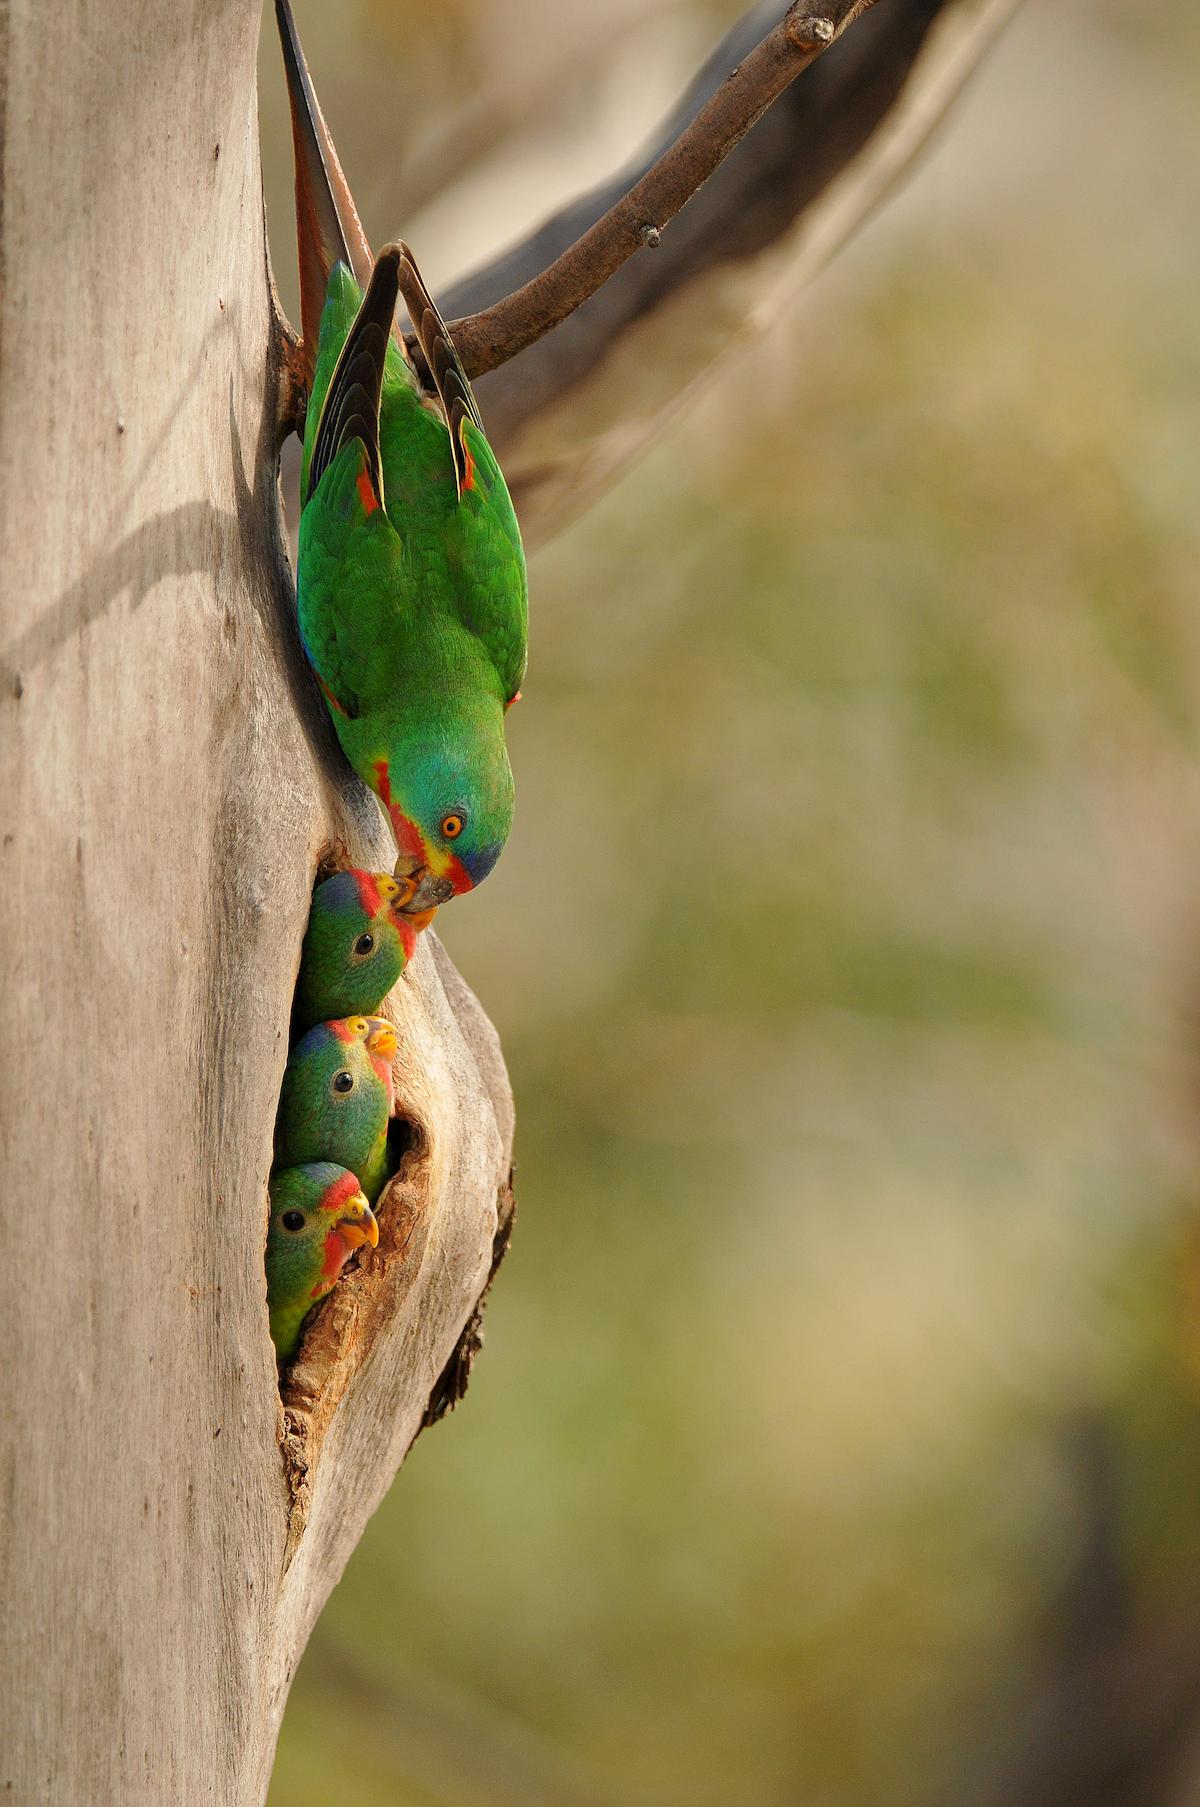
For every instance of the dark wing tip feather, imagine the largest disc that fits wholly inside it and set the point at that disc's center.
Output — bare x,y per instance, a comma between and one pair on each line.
449,378
351,406
327,224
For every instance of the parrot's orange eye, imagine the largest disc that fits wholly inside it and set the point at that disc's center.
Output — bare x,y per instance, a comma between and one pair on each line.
452,826
343,1081
364,946
293,1220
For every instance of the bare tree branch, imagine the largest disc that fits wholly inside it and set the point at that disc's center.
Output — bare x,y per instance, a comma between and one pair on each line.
569,414
637,221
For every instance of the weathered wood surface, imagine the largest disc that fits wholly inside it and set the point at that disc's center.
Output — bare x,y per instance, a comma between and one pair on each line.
167,783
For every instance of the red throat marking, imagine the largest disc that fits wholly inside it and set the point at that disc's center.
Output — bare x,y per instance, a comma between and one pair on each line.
408,835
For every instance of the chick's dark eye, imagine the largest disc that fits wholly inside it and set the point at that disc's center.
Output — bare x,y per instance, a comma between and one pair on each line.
293,1220
343,1081
364,944
453,825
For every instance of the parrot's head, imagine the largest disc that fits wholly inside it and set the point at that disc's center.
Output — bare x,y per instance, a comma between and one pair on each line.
319,1217
337,1086
359,941
449,797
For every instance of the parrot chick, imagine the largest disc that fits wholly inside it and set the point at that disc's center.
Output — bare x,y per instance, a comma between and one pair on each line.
336,1099
358,942
319,1217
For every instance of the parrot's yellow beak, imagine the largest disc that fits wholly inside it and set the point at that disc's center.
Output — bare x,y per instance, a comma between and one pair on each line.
382,1041
360,1228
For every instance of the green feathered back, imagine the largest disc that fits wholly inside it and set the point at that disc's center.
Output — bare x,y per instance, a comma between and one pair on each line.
413,605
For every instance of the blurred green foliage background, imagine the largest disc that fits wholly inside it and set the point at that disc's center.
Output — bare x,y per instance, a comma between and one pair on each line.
836,1439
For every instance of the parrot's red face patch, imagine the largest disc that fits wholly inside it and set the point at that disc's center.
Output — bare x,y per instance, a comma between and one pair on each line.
335,1196
411,843
334,1259
448,865
368,893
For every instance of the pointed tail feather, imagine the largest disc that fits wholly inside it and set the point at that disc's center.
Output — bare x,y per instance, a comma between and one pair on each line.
449,377
327,222
351,406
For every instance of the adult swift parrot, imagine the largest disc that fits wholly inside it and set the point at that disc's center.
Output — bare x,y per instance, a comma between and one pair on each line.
411,588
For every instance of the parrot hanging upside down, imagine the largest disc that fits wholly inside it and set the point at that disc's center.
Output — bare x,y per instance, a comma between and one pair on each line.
411,587
318,1218
336,1099
357,944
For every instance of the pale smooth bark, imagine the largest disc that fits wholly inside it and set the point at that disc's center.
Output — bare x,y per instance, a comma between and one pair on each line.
167,1533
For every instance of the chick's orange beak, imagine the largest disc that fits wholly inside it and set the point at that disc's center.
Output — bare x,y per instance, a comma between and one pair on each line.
361,1226
419,919
382,1041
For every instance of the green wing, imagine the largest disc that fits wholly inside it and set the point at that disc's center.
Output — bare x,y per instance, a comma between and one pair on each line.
484,554
445,537
493,591
350,597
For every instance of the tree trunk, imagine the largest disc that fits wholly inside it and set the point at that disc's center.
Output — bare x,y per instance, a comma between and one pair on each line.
167,1533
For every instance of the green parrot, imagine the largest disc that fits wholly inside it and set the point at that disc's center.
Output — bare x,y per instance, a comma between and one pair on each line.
336,1099
411,586
357,944
318,1218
